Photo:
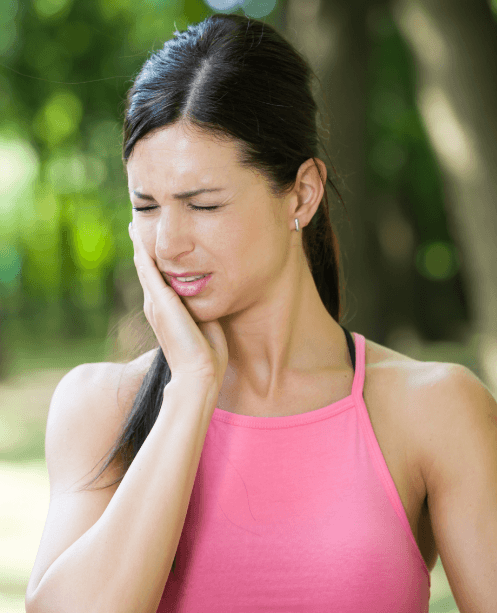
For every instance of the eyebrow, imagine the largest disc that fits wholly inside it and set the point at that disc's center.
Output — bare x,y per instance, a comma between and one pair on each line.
180,196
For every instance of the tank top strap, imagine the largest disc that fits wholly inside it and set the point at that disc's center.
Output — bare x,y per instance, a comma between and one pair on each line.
358,383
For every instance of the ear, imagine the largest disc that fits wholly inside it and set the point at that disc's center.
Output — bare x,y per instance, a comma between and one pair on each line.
309,189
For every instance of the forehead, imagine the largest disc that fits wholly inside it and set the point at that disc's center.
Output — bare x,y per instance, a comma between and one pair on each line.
173,158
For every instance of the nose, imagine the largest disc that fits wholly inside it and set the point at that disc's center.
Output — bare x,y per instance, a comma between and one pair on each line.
173,235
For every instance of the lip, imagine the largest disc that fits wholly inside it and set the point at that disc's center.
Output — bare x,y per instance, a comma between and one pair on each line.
185,274
189,288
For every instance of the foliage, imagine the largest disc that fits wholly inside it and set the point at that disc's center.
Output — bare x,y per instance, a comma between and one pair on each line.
417,254
64,244
65,70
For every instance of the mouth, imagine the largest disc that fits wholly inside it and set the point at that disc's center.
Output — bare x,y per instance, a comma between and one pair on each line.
189,288
187,278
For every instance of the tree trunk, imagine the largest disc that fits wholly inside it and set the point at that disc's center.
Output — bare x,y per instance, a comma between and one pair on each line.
332,35
455,46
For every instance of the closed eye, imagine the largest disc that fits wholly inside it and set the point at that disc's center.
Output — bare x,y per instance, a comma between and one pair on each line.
203,208
144,208
192,206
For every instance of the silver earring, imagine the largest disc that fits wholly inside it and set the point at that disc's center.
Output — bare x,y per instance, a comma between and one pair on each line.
296,224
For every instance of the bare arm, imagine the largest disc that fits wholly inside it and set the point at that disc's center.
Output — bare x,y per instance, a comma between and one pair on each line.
122,562
459,462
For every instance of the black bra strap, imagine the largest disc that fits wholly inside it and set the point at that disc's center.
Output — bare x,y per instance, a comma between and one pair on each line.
350,343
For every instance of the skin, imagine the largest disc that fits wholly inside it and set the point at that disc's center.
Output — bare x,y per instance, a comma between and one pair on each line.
262,290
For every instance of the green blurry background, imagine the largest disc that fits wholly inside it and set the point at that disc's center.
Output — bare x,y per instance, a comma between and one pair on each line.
409,105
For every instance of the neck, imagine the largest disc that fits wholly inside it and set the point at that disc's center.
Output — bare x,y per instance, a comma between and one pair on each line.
285,332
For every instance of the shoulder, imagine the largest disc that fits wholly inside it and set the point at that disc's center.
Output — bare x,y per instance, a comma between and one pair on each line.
435,394
427,391
396,376
459,422
87,410
434,402
450,417
107,388
401,389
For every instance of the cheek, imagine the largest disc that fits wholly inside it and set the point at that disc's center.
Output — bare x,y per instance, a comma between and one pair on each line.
256,248
147,232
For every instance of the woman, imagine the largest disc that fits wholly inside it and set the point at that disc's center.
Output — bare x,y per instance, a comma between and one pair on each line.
281,462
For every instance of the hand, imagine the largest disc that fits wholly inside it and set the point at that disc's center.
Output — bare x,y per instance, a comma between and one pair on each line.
197,350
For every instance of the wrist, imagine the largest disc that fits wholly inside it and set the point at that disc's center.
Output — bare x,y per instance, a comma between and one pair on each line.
189,385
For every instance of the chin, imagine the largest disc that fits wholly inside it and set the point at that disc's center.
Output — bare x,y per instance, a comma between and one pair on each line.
202,314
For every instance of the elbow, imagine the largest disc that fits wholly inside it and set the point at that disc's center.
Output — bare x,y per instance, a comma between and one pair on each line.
35,603
30,603
41,603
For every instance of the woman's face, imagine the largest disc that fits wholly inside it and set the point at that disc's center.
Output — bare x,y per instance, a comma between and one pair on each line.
245,242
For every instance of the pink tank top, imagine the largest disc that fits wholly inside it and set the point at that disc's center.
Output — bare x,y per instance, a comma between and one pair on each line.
297,514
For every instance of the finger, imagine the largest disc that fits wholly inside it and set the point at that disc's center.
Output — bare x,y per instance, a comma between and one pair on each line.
147,267
141,257
139,268
181,339
140,251
154,287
